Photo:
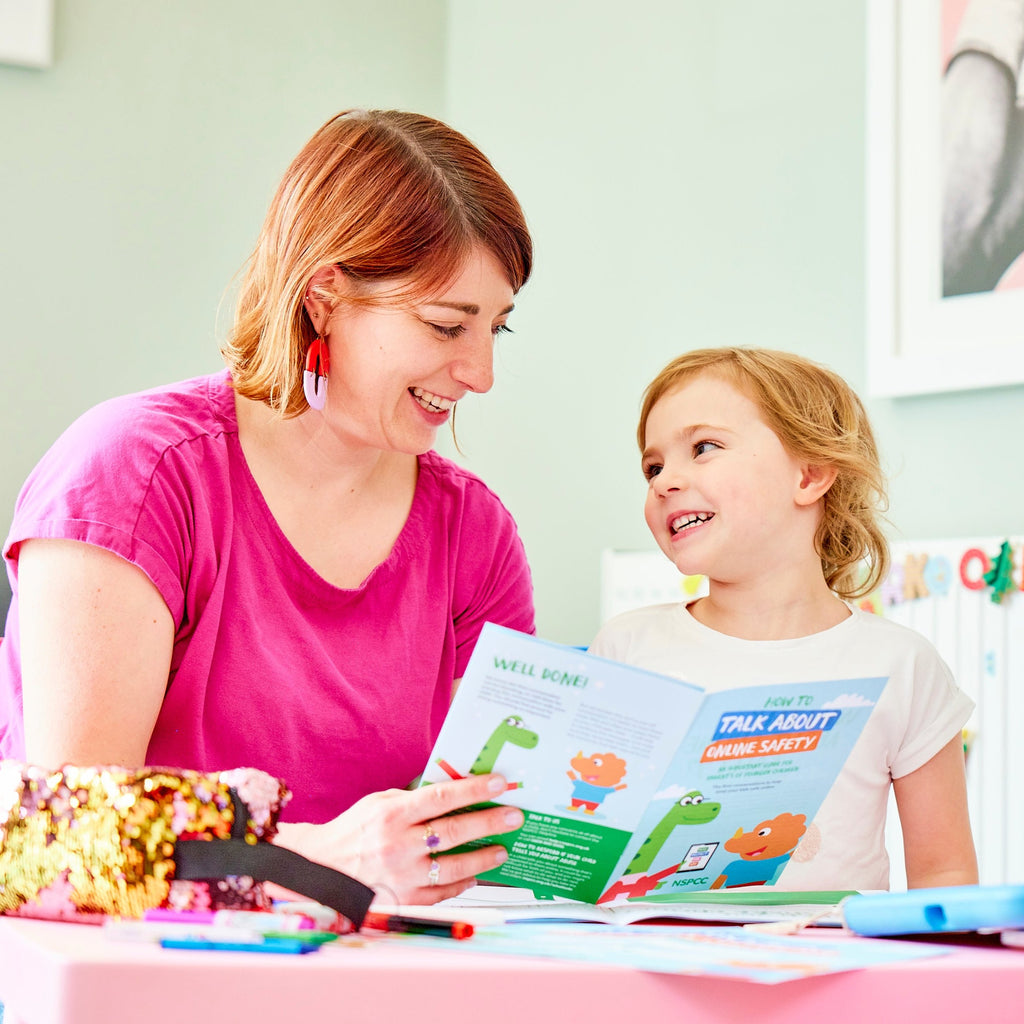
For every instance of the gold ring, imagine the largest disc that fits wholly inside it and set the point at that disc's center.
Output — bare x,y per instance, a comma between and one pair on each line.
434,874
431,838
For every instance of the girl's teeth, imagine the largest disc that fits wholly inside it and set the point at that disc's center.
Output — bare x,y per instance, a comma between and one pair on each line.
684,521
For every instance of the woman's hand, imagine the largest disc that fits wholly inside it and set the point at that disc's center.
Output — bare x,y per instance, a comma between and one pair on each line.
397,841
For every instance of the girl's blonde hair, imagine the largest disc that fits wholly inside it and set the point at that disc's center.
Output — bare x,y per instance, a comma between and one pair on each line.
386,196
820,420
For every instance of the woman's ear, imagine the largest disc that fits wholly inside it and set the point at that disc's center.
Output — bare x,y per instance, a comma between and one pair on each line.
321,295
814,483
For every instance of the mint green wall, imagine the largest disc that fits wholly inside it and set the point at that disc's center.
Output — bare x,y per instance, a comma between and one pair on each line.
135,173
694,175
692,172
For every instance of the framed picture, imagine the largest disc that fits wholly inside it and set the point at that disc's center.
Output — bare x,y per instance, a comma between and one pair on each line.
942,313
26,32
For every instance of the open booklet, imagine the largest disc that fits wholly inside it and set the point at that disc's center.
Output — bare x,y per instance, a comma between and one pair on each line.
489,905
634,783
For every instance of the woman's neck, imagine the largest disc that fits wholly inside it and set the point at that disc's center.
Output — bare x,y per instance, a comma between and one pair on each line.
301,452
341,506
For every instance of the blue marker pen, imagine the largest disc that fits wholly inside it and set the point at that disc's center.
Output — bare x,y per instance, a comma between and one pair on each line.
268,945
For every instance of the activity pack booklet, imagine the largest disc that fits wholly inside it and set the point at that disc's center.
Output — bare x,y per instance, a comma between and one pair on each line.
635,784
761,905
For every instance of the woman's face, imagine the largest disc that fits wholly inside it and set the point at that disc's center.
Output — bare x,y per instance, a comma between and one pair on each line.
397,370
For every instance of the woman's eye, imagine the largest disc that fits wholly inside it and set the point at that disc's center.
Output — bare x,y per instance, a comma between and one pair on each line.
702,447
449,332
502,329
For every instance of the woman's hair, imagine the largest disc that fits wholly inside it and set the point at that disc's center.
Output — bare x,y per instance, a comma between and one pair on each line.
819,419
385,195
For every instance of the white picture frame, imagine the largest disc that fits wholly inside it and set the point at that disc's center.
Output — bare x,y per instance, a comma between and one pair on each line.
918,342
26,33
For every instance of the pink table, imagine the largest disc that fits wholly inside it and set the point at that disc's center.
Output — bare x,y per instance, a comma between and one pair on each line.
72,974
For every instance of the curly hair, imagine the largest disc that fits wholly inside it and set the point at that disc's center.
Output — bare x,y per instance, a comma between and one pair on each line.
819,419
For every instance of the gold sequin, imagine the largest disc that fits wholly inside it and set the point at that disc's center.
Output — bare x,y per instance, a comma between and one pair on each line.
83,841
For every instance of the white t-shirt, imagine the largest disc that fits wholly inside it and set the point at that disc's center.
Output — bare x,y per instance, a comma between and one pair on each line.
921,709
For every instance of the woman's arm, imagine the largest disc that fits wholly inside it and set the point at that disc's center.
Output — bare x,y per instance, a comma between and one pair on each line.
96,639
932,801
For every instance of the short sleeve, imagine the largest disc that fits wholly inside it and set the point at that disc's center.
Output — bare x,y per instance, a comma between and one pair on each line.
113,480
937,712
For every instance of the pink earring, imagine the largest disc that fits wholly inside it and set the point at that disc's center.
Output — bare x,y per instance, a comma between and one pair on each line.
314,379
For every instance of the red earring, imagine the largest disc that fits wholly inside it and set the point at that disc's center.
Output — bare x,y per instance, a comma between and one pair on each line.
314,379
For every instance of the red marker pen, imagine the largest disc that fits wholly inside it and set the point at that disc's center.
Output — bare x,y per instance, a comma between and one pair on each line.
418,925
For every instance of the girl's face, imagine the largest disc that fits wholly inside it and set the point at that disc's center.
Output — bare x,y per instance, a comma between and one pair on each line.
724,498
397,371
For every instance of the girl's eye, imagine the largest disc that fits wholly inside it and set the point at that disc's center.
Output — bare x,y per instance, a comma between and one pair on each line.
703,447
449,332
651,471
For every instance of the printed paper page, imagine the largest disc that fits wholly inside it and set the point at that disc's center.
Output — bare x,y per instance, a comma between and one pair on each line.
742,790
584,741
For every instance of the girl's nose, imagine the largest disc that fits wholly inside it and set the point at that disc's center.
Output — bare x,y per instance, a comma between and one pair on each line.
668,480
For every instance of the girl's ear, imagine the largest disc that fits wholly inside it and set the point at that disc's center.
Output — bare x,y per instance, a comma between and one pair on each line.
814,482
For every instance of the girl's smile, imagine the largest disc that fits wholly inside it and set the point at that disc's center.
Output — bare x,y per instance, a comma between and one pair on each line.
724,497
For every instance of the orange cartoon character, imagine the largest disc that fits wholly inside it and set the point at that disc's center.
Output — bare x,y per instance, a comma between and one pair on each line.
593,778
763,851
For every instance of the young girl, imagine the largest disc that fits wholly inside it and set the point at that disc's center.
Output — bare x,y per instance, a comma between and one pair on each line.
763,475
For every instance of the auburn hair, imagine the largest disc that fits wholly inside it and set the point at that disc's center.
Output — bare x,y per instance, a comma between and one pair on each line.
819,419
385,195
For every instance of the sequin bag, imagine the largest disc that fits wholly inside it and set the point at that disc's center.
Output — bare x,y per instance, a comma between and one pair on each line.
80,843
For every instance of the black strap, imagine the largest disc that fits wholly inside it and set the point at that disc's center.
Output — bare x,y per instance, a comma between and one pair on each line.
215,858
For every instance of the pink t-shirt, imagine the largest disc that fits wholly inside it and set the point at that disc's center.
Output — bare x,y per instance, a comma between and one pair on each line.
338,692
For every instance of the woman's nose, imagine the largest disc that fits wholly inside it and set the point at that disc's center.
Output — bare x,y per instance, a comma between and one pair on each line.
474,366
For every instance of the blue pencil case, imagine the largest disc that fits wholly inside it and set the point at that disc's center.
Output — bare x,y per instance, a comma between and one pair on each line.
955,908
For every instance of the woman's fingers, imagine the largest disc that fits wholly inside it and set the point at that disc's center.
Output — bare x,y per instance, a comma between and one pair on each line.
441,798
452,873
450,827
452,830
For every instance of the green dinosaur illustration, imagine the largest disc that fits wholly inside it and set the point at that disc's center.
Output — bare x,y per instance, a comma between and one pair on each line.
510,730
690,809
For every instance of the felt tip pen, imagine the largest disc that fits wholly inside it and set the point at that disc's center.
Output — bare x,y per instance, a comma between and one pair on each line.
323,917
154,931
257,920
294,946
418,925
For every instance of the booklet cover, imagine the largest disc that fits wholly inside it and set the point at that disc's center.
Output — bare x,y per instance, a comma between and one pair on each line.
634,783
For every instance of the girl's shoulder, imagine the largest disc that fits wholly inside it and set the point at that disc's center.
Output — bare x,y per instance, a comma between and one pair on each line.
877,629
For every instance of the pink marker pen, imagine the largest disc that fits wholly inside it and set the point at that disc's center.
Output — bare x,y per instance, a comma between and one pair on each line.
257,920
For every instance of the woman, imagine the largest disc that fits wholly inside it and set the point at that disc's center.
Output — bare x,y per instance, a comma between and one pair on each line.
269,566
